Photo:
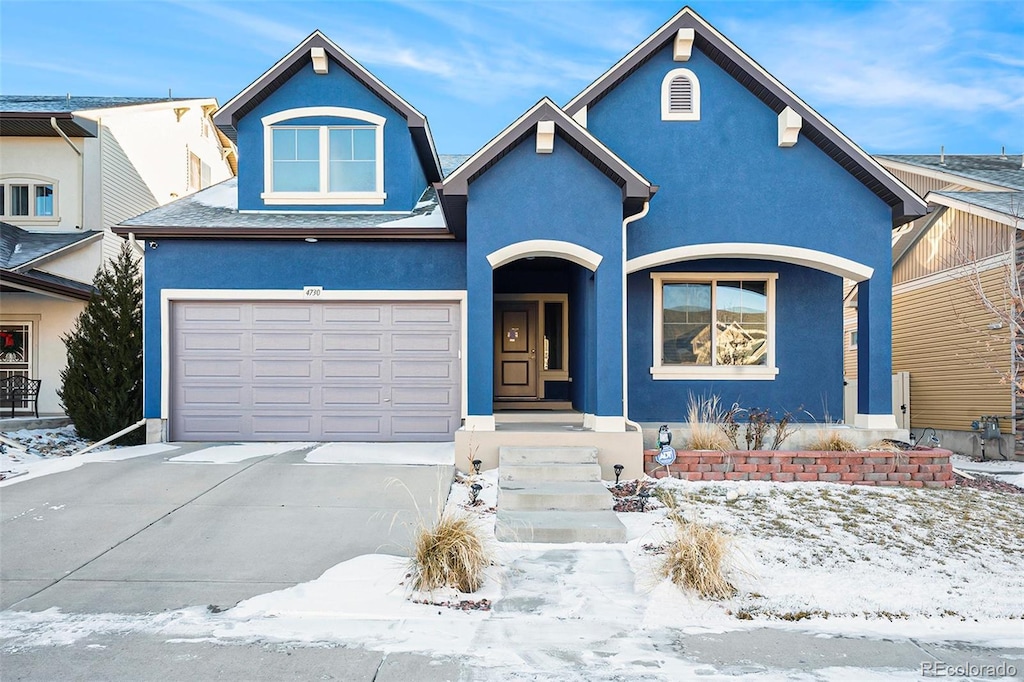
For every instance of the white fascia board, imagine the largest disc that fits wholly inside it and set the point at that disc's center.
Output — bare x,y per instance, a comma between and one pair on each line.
950,177
980,211
494,141
25,267
907,240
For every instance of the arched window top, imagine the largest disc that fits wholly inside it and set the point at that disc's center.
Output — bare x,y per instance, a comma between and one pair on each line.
680,96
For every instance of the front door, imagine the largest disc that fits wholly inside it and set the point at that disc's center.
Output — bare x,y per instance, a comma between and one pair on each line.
515,349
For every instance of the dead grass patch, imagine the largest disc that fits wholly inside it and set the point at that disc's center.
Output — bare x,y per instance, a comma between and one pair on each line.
697,559
705,417
829,440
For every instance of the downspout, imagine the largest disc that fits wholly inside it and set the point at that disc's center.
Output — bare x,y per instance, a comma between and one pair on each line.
81,171
625,354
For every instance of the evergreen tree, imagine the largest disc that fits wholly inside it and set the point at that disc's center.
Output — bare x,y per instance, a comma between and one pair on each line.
102,385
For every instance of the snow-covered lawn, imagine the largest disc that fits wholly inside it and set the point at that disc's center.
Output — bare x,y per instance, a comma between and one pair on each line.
932,565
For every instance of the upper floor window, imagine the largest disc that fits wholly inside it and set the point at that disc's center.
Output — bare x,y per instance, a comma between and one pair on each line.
27,198
309,159
680,96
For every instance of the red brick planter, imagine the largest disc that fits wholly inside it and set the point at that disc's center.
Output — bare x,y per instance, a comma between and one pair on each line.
913,468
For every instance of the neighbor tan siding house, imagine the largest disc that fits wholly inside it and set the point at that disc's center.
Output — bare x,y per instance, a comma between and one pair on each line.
960,354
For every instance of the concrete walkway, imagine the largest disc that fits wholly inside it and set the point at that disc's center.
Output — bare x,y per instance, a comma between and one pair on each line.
153,534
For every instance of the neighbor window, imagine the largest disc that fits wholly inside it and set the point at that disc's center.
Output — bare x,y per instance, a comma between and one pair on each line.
325,163
853,339
26,198
714,326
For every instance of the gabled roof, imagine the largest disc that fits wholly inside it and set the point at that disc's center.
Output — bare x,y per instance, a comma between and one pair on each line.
259,90
20,247
989,169
455,189
906,205
1002,207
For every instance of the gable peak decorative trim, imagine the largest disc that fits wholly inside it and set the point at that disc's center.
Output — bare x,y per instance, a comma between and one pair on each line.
319,58
683,45
789,127
545,137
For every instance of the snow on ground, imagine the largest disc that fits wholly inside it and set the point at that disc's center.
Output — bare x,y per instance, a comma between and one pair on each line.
933,565
383,453
41,452
1008,471
239,452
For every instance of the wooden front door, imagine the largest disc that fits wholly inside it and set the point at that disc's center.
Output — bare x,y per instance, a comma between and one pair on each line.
515,349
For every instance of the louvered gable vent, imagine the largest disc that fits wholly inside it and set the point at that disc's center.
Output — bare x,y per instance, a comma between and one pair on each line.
681,95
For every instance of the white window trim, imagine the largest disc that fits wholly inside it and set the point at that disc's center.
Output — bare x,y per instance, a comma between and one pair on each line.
322,198
660,372
32,181
666,99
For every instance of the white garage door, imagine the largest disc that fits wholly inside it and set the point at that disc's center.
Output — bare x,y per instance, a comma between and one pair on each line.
334,371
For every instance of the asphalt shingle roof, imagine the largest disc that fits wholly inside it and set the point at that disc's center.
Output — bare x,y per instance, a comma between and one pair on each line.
217,207
18,246
990,168
1007,203
64,104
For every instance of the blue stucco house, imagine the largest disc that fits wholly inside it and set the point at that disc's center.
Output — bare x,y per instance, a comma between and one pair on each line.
683,225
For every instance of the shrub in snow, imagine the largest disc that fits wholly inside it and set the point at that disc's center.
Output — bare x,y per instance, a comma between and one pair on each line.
452,553
101,388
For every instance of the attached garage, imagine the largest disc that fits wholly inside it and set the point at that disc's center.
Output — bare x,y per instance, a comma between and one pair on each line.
317,371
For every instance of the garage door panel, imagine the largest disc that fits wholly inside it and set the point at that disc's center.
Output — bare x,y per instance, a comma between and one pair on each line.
421,369
282,395
282,341
281,313
421,396
354,427
372,314
276,425
408,427
353,369
315,371
339,396
369,342
265,369
212,395
420,314
423,342
210,312
197,369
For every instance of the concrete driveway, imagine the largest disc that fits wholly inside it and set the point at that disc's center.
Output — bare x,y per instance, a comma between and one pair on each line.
159,532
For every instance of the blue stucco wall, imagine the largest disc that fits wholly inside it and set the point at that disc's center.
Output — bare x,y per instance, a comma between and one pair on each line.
724,179
252,264
404,180
558,196
809,338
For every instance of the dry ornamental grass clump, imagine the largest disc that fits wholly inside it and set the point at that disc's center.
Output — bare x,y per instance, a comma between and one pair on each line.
831,441
450,554
705,416
697,558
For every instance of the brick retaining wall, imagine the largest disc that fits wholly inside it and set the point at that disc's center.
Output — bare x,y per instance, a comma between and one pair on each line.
913,468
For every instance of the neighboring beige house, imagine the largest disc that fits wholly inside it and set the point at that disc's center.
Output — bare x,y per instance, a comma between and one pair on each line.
960,355
70,168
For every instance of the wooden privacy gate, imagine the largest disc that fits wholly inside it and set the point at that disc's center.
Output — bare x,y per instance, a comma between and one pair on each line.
900,400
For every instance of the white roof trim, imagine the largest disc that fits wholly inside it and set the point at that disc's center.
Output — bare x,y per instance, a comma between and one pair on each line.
545,248
819,260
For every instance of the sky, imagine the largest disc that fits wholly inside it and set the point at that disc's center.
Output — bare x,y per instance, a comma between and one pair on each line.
896,77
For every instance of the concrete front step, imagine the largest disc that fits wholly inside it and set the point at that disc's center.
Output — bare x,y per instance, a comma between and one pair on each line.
542,455
541,473
573,496
559,526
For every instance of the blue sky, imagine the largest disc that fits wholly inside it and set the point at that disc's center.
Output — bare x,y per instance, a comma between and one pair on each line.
897,77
